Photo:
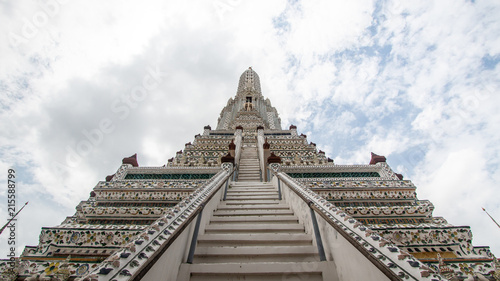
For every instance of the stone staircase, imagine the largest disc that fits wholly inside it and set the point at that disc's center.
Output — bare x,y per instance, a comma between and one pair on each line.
254,236
249,165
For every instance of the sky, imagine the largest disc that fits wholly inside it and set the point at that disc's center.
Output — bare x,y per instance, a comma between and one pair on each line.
84,84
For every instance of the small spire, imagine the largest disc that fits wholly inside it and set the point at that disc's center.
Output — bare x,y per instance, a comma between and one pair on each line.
491,217
12,218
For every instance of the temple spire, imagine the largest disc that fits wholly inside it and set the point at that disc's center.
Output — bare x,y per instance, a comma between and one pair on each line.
249,82
249,108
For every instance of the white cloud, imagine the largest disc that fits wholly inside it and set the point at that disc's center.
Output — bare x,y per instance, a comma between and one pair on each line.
320,27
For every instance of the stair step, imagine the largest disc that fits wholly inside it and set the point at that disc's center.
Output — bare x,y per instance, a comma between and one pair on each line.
255,180
254,227
249,239
251,192
252,212
250,188
256,271
256,219
254,207
242,193
254,188
260,197
247,189
263,183
256,250
242,183
255,254
251,202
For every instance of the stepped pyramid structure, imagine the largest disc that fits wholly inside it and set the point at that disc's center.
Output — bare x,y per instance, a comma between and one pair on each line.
251,201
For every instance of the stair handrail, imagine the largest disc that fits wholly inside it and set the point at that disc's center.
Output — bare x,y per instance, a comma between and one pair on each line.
132,261
260,151
386,256
238,141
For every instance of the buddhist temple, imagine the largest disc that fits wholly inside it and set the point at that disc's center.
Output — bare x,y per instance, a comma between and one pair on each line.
251,200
